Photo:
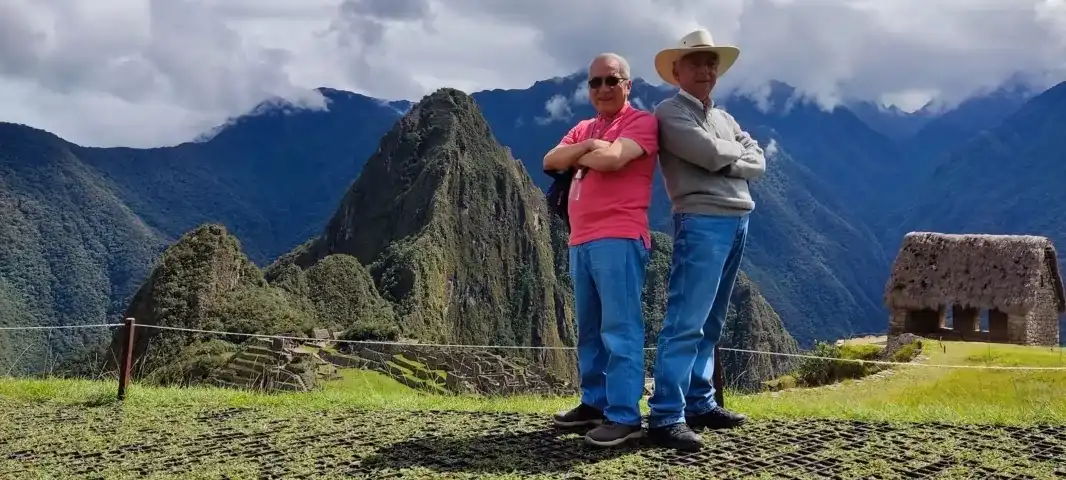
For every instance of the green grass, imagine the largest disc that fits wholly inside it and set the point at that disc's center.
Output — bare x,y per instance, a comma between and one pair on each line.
911,393
914,393
75,415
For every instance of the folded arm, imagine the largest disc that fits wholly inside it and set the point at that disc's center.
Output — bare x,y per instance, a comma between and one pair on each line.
613,157
689,141
752,164
565,155
639,137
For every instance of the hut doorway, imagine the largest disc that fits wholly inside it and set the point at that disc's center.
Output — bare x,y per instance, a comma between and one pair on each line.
925,321
997,326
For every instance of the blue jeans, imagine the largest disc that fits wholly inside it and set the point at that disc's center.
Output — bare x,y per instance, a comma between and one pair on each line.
608,276
706,260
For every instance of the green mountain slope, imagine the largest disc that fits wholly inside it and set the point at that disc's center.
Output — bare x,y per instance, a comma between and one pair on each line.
71,252
800,252
1005,180
203,281
454,232
272,176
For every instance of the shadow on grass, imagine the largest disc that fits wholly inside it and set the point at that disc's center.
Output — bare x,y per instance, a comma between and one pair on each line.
541,451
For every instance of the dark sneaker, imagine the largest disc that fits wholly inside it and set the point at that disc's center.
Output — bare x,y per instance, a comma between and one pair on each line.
677,436
611,434
718,418
580,416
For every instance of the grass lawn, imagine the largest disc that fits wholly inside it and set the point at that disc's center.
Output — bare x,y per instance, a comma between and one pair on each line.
366,424
920,394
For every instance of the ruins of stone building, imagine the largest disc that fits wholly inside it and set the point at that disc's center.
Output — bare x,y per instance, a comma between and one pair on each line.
1015,278
466,372
269,365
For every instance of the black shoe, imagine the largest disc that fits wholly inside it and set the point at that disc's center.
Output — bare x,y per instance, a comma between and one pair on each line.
677,436
611,434
718,418
580,416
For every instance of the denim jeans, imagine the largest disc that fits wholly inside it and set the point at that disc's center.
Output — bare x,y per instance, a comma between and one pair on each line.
707,254
608,276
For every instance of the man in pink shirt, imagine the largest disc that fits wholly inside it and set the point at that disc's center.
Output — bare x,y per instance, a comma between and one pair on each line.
614,156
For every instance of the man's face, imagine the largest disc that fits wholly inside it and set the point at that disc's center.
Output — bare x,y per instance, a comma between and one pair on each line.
608,90
696,73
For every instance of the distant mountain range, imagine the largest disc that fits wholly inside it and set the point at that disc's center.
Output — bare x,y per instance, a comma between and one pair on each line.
843,186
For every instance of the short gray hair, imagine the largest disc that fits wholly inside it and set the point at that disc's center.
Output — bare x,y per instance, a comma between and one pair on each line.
623,65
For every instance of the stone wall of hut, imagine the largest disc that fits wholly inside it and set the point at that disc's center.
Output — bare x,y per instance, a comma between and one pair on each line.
1042,322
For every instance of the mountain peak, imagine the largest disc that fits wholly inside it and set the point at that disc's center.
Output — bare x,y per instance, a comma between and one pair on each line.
442,137
449,96
454,232
447,109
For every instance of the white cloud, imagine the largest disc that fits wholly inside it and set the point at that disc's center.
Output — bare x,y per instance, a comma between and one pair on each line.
558,108
771,149
151,72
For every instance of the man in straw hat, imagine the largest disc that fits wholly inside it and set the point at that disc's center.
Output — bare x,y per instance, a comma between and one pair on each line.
707,161
614,156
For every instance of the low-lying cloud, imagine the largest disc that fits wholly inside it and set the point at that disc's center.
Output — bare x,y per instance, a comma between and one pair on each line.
154,72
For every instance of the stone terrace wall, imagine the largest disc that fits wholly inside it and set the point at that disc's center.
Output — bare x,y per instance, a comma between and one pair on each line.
465,371
269,365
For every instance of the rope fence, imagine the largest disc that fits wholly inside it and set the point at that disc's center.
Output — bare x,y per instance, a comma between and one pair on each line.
533,347
130,325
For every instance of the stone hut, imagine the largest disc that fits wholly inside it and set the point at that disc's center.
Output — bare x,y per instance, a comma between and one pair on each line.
1015,278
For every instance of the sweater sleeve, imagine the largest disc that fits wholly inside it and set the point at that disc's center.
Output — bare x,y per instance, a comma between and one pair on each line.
683,137
752,164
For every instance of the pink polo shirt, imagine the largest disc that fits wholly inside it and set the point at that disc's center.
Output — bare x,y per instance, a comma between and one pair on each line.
614,204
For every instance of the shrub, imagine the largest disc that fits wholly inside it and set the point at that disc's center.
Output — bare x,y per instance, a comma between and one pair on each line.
813,372
907,352
783,382
364,331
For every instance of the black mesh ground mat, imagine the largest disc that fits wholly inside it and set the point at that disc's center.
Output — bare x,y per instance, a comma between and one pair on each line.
104,442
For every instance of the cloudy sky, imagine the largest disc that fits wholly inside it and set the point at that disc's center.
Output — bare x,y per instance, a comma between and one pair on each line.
158,72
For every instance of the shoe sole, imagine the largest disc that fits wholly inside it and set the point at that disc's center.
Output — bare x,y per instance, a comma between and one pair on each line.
614,443
576,423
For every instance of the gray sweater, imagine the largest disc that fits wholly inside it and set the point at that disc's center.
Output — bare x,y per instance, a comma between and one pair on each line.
706,159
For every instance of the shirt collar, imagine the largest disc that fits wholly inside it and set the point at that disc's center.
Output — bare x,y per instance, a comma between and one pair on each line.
624,110
706,106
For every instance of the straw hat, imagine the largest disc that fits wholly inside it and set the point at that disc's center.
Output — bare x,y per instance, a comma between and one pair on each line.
697,41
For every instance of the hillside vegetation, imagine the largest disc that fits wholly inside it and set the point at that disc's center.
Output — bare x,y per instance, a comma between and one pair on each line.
71,251
454,233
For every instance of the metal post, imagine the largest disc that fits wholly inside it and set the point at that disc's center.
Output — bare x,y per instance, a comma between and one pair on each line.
719,379
126,368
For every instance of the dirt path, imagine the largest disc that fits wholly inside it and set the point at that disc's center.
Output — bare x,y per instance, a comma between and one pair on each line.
105,442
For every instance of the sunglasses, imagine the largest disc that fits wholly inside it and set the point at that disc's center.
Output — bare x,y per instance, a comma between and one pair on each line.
610,81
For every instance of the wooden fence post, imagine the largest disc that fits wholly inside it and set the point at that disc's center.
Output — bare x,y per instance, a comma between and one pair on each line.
719,379
126,367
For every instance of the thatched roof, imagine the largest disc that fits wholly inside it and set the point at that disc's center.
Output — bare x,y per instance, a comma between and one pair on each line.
1006,272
